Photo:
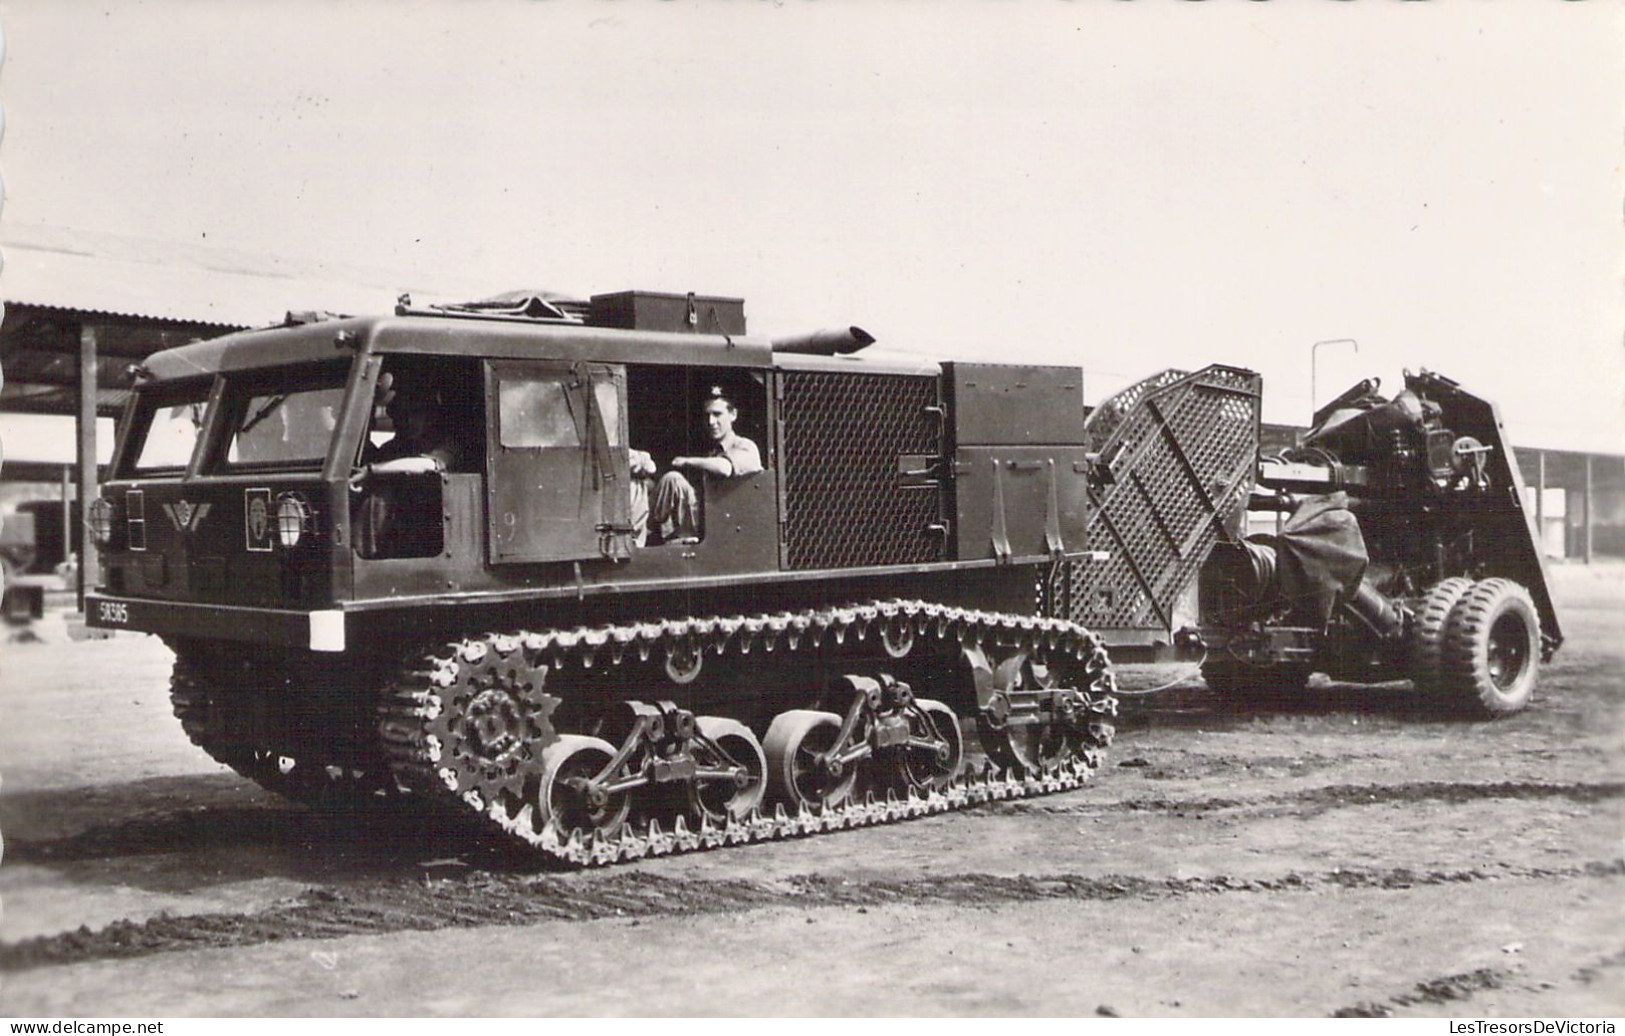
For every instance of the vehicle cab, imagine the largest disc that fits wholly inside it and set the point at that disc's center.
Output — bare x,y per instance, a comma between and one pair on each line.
284,485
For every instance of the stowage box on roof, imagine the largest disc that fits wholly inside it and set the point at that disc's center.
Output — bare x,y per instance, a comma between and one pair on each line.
660,311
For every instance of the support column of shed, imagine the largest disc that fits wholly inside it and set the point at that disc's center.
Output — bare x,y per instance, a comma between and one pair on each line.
1586,527
67,511
86,428
1540,502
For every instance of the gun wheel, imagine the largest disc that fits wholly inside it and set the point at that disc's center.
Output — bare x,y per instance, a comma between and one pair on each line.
1491,654
1427,635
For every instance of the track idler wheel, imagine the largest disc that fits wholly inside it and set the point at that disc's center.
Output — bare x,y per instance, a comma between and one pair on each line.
803,768
1036,716
572,796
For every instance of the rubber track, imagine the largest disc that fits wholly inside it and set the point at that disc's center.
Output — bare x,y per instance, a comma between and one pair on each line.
414,698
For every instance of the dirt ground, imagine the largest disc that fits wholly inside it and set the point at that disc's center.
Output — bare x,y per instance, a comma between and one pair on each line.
1353,854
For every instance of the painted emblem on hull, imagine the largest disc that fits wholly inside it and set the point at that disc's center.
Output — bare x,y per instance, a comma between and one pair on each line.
257,518
186,516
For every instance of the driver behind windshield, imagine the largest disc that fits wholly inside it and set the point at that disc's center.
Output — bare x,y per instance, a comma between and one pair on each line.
424,440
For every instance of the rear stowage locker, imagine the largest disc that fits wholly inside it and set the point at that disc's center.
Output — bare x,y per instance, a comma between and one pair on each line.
1020,462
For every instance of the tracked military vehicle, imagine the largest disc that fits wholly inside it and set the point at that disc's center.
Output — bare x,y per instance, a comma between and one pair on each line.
492,610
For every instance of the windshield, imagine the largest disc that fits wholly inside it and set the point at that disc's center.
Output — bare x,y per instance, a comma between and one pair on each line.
284,422
166,427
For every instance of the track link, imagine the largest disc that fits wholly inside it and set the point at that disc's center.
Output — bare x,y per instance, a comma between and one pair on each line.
207,696
426,754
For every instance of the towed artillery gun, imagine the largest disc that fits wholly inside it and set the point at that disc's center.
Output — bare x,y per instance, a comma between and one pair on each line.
908,609
1405,553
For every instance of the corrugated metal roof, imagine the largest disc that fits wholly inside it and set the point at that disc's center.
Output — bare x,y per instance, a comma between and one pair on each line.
101,273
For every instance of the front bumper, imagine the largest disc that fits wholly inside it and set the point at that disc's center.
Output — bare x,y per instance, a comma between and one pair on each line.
315,630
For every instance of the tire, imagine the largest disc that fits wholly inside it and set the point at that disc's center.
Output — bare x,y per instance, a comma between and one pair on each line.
1491,655
1427,636
1255,685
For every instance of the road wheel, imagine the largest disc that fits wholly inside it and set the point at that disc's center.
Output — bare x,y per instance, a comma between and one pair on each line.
726,744
1491,652
794,744
923,769
567,764
1427,636
1255,685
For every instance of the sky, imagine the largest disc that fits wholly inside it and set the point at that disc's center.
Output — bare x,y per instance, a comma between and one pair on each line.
1119,186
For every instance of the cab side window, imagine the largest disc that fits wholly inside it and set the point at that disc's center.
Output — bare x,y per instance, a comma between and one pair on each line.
692,429
537,413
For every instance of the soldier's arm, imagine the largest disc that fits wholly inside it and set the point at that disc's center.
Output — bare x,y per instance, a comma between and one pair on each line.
721,467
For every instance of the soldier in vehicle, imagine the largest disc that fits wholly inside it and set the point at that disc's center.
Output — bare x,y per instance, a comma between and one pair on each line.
424,440
399,519
675,509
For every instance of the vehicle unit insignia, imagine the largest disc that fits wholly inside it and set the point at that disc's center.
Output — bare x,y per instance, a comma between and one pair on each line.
257,519
187,516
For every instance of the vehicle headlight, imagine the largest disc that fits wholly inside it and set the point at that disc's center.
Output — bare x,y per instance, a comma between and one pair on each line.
292,519
101,520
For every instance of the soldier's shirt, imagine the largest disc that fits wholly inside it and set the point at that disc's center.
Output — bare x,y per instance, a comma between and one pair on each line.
741,453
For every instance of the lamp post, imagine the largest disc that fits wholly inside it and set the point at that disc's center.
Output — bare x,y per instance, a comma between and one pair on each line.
1314,360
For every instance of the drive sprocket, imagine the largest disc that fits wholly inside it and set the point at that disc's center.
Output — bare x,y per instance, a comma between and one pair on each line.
473,717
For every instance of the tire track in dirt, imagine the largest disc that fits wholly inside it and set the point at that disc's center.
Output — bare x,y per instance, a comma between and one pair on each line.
382,836
408,836
1464,986
1440,990
1593,971
506,899
1342,795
